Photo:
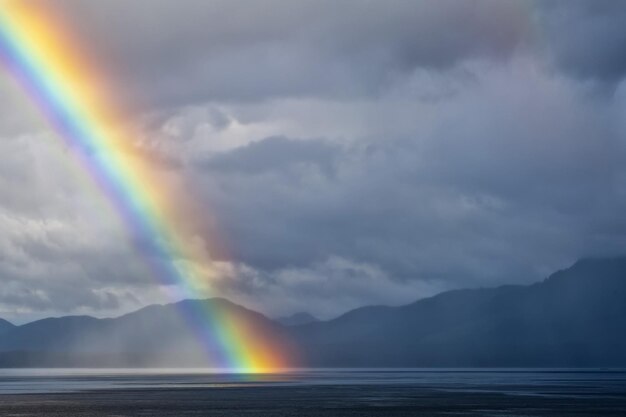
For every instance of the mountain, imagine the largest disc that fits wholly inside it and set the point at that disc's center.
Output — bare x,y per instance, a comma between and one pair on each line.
5,326
296,319
153,336
576,317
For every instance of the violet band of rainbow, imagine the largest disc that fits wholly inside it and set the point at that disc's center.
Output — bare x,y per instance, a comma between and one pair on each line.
50,71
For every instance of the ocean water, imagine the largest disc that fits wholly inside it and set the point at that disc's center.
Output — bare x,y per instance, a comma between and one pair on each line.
313,392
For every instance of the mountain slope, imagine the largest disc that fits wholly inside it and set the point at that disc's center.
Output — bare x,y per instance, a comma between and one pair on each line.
576,317
5,326
153,336
297,319
573,318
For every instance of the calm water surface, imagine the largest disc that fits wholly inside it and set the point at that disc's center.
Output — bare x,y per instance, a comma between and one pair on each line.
314,392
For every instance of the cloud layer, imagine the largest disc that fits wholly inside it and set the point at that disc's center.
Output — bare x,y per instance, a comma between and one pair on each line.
352,153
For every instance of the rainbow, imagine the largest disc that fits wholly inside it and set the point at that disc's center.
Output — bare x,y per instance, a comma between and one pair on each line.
66,87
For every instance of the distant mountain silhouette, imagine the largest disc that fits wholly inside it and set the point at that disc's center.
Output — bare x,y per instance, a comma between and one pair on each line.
296,319
576,317
5,326
156,335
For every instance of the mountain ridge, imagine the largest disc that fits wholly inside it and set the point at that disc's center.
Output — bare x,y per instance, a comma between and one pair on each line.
297,319
5,325
574,317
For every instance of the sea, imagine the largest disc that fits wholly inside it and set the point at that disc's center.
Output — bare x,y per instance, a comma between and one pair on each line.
313,392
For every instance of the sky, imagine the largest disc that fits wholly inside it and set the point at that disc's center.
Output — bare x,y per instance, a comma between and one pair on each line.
343,153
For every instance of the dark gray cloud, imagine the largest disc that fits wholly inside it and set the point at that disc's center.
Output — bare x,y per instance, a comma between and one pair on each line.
587,38
223,50
347,152
509,182
199,51
276,154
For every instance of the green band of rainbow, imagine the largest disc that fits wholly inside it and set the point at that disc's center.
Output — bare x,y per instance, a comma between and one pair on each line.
47,70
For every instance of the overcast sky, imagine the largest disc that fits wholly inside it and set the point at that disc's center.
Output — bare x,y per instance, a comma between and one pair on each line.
349,152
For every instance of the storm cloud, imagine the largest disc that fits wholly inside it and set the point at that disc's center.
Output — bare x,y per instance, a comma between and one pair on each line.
190,52
349,152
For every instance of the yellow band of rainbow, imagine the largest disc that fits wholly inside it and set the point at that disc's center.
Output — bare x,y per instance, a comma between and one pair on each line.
75,101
